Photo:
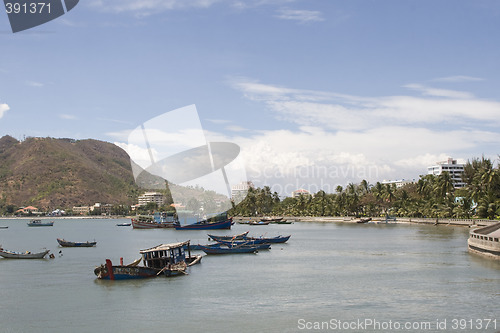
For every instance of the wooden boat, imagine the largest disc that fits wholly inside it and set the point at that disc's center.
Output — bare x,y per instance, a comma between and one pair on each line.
148,222
39,223
220,248
25,255
123,224
258,222
66,243
364,220
258,245
234,237
164,259
206,225
271,220
272,240
257,240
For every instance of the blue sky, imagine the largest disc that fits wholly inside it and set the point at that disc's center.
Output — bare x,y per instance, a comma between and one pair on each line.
316,93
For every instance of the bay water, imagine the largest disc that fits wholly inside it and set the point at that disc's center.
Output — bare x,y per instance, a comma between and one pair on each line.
328,277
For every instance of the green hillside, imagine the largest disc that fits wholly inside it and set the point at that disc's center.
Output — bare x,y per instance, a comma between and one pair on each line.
60,173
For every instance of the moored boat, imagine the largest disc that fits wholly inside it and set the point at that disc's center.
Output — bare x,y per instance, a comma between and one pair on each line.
205,225
164,259
220,248
257,240
39,223
150,222
271,219
23,255
123,224
233,237
66,243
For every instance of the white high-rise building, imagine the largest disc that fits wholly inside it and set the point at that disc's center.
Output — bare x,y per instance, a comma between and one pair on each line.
239,191
452,167
151,197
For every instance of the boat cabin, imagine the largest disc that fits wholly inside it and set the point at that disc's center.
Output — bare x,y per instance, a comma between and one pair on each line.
165,254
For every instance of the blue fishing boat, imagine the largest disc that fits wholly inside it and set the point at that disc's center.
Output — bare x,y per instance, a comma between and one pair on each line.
232,237
272,240
220,248
220,221
65,243
257,240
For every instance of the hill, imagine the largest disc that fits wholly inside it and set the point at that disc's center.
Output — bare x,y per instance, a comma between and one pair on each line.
60,173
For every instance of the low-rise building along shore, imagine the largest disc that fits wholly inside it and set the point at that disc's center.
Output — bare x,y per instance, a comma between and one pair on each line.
485,241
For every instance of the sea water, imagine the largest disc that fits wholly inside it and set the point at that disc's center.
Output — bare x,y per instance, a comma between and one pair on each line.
327,277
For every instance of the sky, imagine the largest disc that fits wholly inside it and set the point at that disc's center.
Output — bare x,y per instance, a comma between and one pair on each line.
316,93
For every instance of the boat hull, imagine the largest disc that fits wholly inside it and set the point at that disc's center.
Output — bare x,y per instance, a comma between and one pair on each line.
136,224
41,224
15,255
65,243
206,226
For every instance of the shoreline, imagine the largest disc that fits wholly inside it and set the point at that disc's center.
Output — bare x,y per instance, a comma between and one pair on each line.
318,219
381,220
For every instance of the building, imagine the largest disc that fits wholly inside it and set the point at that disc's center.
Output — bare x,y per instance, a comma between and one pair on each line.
300,192
30,210
399,183
148,197
240,191
452,167
81,210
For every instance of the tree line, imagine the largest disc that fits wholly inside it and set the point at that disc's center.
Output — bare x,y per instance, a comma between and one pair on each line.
431,196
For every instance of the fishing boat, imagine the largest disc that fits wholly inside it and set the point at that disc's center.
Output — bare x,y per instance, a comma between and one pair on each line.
23,255
164,259
257,240
154,222
220,221
234,237
258,245
271,219
258,222
65,243
272,240
39,223
204,225
220,248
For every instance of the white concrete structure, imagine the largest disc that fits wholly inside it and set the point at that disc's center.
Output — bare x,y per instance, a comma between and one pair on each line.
300,192
398,183
239,191
452,167
151,197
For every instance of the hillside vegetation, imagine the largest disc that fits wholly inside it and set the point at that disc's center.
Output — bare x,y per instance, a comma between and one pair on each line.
60,173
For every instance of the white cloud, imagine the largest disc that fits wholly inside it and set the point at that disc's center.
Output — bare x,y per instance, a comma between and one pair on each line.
3,108
34,84
458,78
145,7
428,91
341,111
302,16
344,138
68,116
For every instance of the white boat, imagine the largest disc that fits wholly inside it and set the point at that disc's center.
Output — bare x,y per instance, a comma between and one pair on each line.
25,255
39,223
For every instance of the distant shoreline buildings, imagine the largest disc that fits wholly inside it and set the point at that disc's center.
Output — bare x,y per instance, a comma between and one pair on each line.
452,167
